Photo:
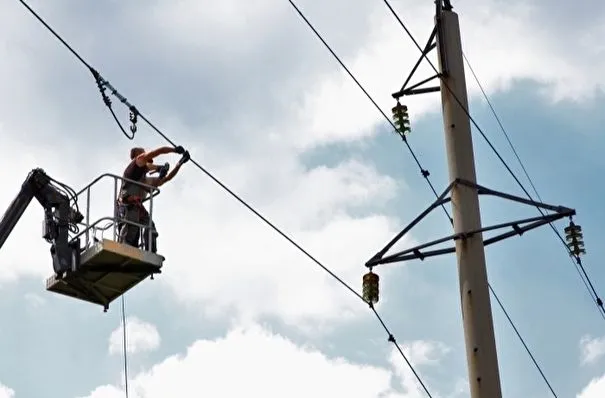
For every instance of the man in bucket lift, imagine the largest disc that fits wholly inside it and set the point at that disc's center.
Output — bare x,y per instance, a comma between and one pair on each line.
130,199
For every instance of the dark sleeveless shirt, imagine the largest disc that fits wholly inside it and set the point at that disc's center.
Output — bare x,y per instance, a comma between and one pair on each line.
135,173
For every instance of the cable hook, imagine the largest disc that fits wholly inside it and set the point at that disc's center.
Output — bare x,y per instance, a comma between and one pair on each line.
134,114
103,84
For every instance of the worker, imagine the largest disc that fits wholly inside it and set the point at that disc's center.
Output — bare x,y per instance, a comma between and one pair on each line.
164,177
130,200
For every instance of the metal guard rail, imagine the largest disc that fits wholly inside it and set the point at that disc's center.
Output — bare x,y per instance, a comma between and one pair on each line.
153,192
109,225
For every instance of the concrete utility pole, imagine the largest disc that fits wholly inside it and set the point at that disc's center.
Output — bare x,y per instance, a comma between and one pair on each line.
484,378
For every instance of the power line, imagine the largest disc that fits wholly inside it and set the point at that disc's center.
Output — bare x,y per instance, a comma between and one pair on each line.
374,103
578,262
510,321
244,203
512,147
425,173
522,340
512,324
379,109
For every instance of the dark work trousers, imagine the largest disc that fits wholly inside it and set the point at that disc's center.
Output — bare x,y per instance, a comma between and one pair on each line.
129,233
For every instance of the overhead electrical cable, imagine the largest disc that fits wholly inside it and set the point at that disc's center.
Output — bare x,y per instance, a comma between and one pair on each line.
531,355
493,110
424,172
511,322
578,262
379,109
375,104
391,338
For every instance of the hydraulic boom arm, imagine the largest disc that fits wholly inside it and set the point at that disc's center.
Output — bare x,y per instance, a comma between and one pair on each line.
58,216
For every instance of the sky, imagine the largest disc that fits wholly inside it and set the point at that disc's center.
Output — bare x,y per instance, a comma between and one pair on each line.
259,102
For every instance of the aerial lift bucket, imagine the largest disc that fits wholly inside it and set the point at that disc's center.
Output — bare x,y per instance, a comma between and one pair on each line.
106,268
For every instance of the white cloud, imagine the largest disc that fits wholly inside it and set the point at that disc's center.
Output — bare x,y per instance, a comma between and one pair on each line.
25,253
6,392
531,51
592,349
140,337
252,360
218,255
244,265
106,392
337,110
461,388
594,389
223,257
427,352
35,300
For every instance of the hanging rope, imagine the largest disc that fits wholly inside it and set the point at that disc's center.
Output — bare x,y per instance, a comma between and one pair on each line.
124,347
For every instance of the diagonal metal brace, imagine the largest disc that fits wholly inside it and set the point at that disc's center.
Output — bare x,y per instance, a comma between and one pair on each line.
430,45
518,227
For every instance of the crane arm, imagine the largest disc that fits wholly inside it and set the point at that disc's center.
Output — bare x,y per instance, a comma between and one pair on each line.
58,216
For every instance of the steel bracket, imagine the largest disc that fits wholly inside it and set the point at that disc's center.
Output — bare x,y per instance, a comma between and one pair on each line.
440,5
414,89
517,227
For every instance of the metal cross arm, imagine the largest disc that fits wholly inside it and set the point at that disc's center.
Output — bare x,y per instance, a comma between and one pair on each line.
518,227
414,89
430,45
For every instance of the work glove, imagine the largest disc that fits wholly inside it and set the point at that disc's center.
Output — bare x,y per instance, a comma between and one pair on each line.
179,149
159,169
163,170
185,158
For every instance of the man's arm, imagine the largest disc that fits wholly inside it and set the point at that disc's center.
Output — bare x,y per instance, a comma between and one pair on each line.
152,167
148,157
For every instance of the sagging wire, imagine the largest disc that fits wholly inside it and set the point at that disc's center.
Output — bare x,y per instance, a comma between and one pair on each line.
102,83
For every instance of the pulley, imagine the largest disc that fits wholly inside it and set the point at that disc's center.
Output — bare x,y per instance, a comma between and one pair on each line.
370,287
575,239
401,119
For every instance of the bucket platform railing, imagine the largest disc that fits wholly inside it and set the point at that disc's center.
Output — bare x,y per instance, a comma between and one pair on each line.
107,268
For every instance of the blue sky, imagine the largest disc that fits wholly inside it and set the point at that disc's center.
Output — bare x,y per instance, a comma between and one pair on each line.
255,98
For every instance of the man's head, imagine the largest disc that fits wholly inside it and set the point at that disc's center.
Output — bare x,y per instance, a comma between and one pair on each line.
136,151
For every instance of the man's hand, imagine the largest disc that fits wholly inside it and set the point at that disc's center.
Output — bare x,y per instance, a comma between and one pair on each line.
163,178
184,159
179,149
158,169
164,170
